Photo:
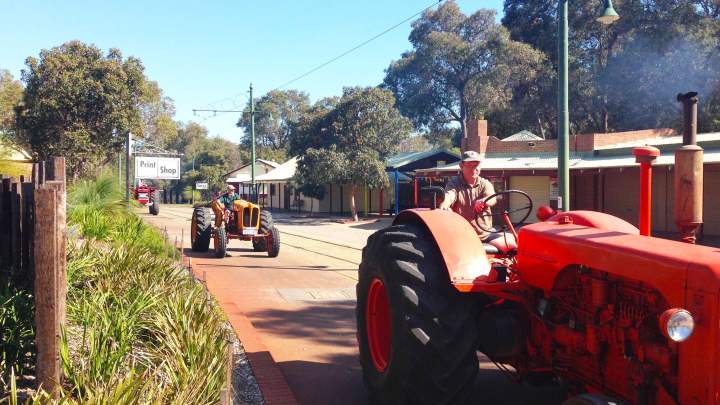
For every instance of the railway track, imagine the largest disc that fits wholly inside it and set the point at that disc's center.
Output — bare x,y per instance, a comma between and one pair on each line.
337,251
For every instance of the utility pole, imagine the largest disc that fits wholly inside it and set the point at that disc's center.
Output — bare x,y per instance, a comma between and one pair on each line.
563,118
253,187
252,156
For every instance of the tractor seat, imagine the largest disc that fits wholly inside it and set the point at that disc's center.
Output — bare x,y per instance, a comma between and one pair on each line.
499,243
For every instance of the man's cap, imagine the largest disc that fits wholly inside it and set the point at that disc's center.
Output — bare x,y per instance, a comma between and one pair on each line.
471,156
230,187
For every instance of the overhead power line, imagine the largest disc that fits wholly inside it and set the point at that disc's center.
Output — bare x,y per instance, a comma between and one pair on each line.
313,70
356,47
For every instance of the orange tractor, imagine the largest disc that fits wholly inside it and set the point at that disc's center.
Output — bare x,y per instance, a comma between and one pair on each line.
243,221
585,299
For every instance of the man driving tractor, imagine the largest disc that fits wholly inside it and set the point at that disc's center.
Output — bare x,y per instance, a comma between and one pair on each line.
224,202
466,194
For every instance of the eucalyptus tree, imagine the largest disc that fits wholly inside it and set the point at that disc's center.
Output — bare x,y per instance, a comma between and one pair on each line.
461,67
348,141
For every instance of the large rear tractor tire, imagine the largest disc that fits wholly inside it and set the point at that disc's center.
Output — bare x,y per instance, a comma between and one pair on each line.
266,224
155,207
220,242
200,230
417,334
273,242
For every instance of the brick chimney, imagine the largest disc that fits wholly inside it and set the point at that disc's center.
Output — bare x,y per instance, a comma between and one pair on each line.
476,136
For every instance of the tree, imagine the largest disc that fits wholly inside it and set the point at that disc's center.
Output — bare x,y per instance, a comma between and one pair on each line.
461,67
596,54
78,103
212,157
276,113
11,92
348,143
157,112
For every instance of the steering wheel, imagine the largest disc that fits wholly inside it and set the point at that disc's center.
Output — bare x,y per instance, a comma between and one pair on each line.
505,215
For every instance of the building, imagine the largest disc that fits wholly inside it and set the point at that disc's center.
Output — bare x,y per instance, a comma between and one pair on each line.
277,191
603,173
241,177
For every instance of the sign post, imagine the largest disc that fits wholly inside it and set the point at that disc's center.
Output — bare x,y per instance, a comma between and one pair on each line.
199,185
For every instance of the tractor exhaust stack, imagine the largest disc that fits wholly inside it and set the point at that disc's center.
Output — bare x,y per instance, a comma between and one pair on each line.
689,173
645,155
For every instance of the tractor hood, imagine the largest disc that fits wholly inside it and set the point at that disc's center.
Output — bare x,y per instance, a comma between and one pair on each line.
547,248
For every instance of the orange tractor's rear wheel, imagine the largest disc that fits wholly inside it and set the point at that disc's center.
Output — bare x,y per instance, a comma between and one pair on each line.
418,335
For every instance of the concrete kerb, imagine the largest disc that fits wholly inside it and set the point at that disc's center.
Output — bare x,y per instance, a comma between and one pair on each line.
273,385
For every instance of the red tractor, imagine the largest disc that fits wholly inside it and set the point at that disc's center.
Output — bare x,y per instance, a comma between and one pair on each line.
584,300
146,195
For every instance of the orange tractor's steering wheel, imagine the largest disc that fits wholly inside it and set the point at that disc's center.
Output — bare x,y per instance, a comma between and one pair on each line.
525,211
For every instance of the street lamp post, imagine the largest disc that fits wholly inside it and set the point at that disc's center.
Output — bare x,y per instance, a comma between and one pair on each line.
608,16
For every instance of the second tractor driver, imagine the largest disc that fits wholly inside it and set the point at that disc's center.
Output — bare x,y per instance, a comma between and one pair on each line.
224,202
465,194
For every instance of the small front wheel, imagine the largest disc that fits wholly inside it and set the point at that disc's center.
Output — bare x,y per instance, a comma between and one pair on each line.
154,207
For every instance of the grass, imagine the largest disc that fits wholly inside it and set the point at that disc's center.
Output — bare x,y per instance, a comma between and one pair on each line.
139,330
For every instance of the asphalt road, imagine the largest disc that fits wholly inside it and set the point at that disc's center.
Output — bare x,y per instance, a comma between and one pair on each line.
302,304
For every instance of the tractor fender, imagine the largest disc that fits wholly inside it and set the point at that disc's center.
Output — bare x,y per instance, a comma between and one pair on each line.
458,244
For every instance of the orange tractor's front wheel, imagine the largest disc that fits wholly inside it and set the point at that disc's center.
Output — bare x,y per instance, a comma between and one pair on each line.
418,335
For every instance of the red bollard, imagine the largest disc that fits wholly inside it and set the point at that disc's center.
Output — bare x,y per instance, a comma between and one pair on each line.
645,155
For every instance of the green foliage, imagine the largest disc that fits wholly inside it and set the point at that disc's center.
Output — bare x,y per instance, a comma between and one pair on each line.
349,142
17,339
461,67
139,330
11,92
624,76
156,113
276,114
78,103
213,157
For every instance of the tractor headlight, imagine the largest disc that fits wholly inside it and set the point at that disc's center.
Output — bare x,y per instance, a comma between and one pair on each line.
677,324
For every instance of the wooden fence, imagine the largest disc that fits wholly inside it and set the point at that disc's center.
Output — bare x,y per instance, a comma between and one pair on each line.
33,255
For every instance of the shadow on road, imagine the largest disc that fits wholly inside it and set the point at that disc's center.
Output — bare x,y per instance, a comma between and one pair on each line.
338,379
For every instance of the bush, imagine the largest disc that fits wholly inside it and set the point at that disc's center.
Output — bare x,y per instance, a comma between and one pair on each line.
138,321
17,333
139,330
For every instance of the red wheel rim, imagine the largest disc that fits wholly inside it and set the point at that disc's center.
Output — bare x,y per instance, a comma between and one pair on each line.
378,325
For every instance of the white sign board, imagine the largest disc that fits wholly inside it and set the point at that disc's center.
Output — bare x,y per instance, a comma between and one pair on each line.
149,167
201,186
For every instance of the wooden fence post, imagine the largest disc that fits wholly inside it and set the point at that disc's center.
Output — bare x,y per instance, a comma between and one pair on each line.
47,322
58,182
15,228
5,232
28,232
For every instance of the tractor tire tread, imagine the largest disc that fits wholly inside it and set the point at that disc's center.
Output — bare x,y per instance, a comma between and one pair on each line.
434,332
203,231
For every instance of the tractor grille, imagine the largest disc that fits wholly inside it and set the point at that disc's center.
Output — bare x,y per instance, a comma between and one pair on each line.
250,217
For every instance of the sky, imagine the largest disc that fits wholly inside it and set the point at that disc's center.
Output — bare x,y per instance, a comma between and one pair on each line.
204,55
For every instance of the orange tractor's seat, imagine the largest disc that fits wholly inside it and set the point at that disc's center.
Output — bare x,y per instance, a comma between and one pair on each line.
499,243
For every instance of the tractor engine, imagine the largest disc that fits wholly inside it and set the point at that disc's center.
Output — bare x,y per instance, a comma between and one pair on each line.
602,331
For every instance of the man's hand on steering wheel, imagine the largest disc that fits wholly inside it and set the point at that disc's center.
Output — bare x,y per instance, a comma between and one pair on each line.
524,211
479,206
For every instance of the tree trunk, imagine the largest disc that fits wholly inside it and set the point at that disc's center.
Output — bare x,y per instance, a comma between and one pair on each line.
353,208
